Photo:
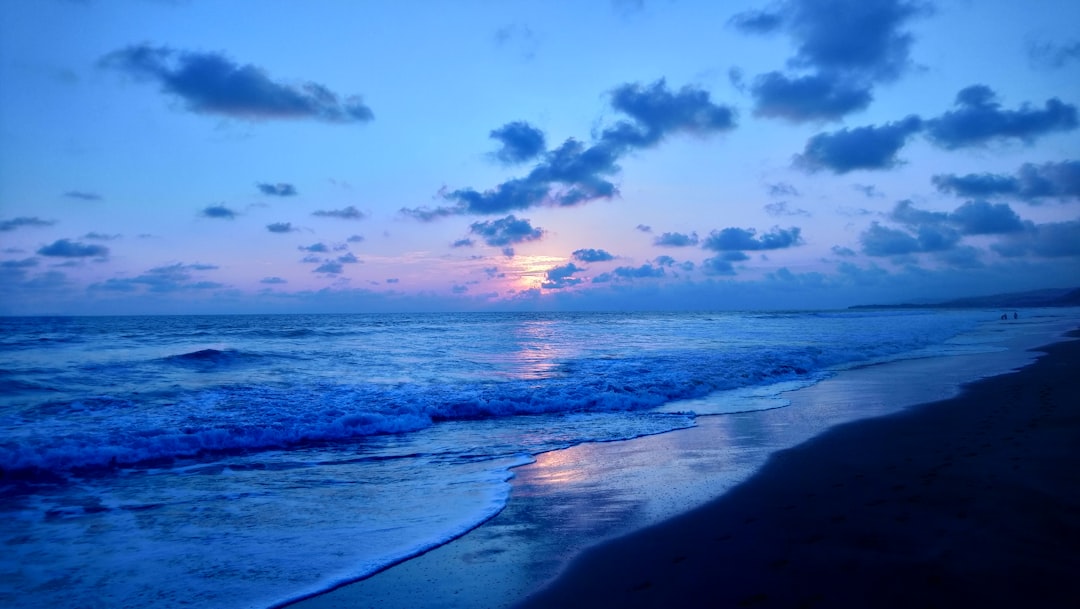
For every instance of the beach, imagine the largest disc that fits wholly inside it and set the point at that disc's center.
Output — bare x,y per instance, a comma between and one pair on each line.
871,503
973,501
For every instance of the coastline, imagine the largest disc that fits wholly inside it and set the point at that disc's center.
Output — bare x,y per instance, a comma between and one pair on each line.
577,498
969,501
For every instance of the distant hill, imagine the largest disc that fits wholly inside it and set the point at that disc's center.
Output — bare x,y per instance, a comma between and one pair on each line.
1054,297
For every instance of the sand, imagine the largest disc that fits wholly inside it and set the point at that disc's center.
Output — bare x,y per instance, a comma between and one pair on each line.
972,501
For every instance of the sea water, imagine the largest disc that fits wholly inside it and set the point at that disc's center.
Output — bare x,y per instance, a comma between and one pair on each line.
242,461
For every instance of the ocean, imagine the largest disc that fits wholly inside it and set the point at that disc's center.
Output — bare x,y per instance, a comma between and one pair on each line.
244,461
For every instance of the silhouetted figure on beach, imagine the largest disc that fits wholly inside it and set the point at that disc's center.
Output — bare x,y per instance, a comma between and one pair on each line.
1004,316
1014,315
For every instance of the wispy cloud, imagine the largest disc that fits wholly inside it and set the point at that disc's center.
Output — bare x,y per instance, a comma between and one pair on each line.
14,223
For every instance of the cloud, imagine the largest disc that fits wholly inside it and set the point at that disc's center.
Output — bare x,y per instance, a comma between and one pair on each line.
314,248
782,189
560,277
521,142
979,120
643,228
592,255
82,195
982,218
14,223
869,190
63,248
505,231
781,208
348,258
645,271
757,22
971,218
355,239
330,267
817,97
1053,55
676,240
883,241
518,37
860,148
169,278
847,45
717,266
463,243
277,190
95,236
273,280
664,260
1031,182
575,173
349,213
210,83
281,227
745,239
846,252
1050,240
218,211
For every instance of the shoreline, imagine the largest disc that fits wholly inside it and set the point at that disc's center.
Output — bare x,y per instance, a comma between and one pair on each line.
577,498
968,501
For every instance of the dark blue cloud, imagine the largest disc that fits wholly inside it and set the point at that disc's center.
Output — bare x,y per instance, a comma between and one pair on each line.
643,228
280,189
734,256
82,195
281,227
817,97
730,239
1031,182
560,277
170,278
847,45
982,218
14,223
273,280
314,248
355,239
860,148
64,248
676,240
505,231
218,211
330,267
349,213
971,218
210,83
521,142
664,260
1050,240
575,173
645,271
717,266
592,255
757,22
463,243
883,241
843,251
979,120
348,258
781,189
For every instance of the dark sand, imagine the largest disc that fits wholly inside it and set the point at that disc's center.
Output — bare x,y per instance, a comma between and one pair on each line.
968,502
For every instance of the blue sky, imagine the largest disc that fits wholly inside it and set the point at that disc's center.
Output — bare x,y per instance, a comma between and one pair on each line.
201,157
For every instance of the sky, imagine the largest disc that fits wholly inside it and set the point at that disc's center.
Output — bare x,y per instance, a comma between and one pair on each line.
162,157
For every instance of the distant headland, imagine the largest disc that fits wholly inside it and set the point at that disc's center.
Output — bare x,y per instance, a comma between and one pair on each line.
1052,297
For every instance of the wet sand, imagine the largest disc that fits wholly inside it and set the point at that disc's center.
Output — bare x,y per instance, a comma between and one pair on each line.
972,501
